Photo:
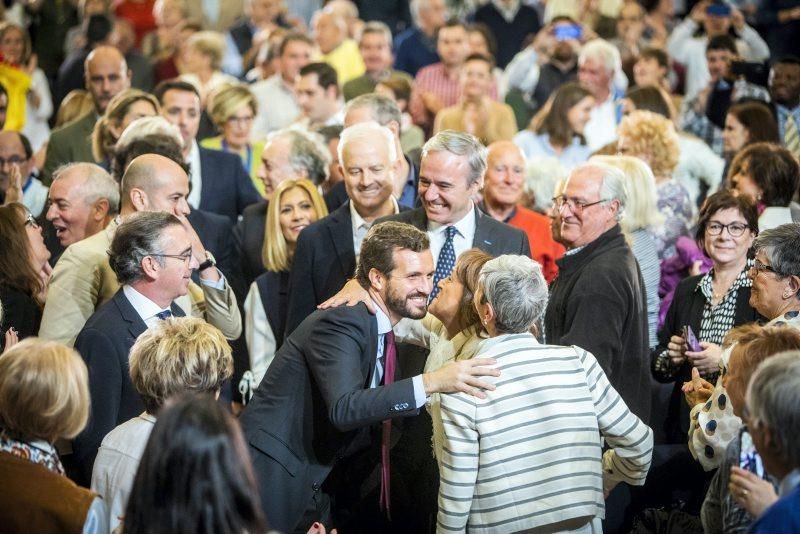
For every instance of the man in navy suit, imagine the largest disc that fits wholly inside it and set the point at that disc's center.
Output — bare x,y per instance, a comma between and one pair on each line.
220,183
325,257
331,381
151,255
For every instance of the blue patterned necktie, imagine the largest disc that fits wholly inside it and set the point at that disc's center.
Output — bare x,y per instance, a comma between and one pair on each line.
446,261
166,314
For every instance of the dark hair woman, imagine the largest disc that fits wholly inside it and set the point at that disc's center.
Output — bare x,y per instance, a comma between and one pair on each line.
24,271
195,475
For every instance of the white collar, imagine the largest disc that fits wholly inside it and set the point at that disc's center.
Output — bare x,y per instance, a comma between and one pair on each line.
146,308
359,221
384,323
465,226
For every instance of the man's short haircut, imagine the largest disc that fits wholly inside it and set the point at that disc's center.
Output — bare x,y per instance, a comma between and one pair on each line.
382,109
137,237
176,356
460,144
326,75
372,132
173,85
26,146
379,245
722,42
517,291
773,398
161,144
787,60
603,51
379,28
306,152
95,184
294,37
613,184
451,23
659,55
481,57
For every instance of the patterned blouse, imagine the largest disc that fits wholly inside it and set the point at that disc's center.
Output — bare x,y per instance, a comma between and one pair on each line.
676,206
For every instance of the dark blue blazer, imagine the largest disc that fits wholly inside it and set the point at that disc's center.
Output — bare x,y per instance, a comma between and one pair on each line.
227,188
249,238
104,344
216,234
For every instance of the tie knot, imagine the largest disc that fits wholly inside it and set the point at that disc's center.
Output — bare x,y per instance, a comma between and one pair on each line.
450,232
166,314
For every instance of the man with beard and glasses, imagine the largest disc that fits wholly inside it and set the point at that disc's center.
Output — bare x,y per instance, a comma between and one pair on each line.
315,414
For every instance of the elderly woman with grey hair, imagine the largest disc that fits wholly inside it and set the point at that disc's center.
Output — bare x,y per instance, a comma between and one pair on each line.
542,429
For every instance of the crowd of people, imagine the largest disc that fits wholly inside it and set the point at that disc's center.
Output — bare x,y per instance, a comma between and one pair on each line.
400,266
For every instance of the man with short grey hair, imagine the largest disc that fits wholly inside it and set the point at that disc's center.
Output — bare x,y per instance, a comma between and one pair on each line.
375,47
598,300
83,199
600,71
773,402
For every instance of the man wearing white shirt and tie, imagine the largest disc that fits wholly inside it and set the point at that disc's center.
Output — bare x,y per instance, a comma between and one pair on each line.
151,254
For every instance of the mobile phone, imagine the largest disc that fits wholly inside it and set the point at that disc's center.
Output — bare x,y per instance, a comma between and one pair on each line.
749,459
568,32
691,339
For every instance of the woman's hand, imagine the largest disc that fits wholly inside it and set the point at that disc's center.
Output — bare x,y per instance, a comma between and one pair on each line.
697,391
12,338
707,360
676,350
319,528
351,294
45,274
751,492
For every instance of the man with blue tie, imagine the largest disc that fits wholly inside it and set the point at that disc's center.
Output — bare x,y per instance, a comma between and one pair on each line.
334,377
151,255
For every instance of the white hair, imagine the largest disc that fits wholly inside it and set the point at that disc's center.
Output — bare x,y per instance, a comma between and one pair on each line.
608,56
542,174
371,132
641,210
612,186
95,183
146,126
517,291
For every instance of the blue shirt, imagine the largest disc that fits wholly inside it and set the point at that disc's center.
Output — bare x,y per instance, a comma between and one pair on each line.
783,116
414,50
538,145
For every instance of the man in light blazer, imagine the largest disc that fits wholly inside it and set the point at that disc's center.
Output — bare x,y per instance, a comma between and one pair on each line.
83,279
312,411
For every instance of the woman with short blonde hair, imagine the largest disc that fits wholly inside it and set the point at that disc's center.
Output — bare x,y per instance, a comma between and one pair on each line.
173,357
44,396
200,61
233,110
124,108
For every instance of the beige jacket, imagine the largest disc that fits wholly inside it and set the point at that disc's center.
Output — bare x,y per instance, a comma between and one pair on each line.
83,280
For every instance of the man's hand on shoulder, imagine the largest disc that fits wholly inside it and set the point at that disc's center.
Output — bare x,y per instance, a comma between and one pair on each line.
461,376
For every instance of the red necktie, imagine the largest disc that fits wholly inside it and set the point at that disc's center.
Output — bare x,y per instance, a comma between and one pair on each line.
389,364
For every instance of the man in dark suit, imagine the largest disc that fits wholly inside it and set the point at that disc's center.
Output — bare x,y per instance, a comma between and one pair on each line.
287,154
151,255
325,257
332,379
107,74
220,183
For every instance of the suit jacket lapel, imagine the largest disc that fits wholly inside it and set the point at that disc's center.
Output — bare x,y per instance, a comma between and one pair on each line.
419,219
341,231
372,346
482,239
126,310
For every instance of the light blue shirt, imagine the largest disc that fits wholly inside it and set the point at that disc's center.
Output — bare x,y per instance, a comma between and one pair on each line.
538,146
384,327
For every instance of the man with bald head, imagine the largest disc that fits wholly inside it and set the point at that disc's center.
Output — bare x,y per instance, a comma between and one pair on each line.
83,279
337,48
106,74
503,185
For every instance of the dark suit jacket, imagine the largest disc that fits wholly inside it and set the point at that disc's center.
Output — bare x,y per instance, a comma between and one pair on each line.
687,309
20,311
314,405
249,238
491,236
323,262
227,188
216,233
104,344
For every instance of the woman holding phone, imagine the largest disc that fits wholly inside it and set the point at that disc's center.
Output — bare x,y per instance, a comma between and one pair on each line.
707,306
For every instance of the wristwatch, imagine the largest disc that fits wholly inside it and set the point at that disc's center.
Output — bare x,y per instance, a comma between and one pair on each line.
210,262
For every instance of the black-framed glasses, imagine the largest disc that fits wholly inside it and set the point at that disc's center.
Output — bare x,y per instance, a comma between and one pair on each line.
760,267
576,206
30,220
185,257
735,229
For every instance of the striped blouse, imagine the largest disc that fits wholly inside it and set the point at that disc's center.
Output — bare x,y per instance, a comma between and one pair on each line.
531,453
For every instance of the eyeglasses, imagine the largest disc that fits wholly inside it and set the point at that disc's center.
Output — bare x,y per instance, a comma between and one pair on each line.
13,160
185,257
31,221
735,229
575,206
760,267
